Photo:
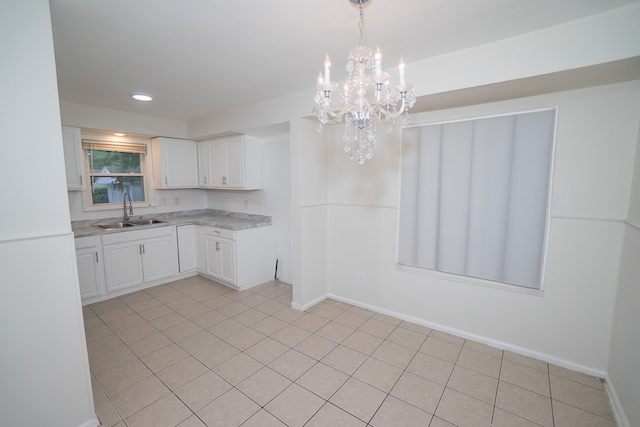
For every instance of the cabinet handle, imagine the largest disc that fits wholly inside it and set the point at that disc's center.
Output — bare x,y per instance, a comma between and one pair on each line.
205,180
97,258
216,231
140,247
217,246
143,251
81,180
165,181
224,180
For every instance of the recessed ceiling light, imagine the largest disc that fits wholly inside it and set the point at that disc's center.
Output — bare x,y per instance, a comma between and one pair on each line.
142,96
120,134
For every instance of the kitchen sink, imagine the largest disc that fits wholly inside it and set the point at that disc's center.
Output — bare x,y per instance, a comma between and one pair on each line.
146,222
125,224
114,225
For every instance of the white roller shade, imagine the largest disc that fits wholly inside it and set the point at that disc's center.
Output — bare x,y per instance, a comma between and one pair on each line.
474,196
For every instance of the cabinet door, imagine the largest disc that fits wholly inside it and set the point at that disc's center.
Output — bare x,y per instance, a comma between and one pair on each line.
201,250
123,265
203,164
217,164
187,259
90,272
180,164
235,162
212,248
73,157
158,257
228,261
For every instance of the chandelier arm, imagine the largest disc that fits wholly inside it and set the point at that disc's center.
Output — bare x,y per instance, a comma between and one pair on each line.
329,116
332,121
338,113
394,115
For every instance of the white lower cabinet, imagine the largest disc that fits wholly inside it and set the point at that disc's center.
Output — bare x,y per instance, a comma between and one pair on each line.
243,258
187,253
118,263
201,250
135,257
220,250
90,266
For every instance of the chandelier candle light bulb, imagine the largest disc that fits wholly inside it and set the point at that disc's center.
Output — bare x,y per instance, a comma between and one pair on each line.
327,72
378,57
360,115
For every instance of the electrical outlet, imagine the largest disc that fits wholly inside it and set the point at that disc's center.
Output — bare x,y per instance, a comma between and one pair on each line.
176,200
361,278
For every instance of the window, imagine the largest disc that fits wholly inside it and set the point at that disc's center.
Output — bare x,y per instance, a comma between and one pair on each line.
474,197
115,168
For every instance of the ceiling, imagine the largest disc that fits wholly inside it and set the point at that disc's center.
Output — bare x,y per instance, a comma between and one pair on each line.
198,57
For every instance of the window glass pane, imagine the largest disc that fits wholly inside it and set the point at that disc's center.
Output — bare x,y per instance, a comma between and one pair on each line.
113,162
111,189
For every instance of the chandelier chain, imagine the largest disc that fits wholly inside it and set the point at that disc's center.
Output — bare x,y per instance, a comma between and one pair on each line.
361,23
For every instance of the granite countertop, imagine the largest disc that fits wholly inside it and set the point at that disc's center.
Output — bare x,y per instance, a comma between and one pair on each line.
208,217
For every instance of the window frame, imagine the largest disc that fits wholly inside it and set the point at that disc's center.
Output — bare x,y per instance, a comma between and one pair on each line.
146,172
461,278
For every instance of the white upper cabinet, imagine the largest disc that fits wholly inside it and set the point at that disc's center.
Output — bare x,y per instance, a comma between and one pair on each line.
231,163
73,158
175,163
203,165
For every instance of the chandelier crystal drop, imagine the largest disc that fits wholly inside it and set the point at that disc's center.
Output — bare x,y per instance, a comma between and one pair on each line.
366,99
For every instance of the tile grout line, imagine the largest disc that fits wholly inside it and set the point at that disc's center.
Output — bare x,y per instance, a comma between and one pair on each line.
495,397
92,313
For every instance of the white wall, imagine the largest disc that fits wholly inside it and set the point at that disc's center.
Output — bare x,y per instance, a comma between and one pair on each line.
624,375
44,367
309,185
164,201
602,38
87,116
274,199
570,322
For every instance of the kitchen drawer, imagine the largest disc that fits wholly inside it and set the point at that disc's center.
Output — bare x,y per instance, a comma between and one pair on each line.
134,235
87,242
221,232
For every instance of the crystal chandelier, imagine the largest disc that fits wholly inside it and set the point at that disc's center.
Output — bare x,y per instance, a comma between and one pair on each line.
361,110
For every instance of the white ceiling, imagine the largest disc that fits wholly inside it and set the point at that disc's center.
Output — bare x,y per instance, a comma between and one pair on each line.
198,57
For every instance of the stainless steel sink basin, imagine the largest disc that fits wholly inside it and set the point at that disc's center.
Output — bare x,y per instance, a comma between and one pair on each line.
125,224
146,222
114,225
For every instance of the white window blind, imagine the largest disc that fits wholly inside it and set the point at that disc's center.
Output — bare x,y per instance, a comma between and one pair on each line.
122,147
474,196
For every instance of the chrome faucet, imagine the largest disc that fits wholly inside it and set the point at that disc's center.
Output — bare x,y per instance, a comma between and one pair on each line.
125,218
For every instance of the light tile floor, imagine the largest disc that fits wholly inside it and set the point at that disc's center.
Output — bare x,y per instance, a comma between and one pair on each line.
194,353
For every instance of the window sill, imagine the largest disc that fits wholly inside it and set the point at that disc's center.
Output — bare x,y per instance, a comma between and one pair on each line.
469,280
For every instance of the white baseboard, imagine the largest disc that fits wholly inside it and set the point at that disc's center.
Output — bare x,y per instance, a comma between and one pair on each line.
93,422
616,406
136,288
478,338
310,304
